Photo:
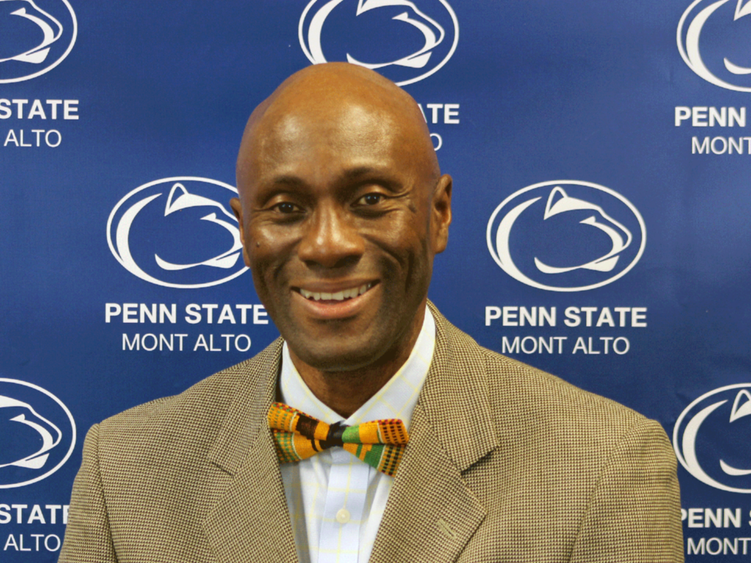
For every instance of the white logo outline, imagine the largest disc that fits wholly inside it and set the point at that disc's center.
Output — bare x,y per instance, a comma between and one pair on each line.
685,448
498,245
38,54
689,48
120,246
314,52
39,458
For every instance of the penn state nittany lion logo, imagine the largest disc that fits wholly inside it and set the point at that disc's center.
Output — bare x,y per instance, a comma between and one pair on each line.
714,37
404,40
37,433
49,434
35,36
178,232
710,438
566,235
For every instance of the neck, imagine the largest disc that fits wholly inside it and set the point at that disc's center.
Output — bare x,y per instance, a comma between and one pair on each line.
346,391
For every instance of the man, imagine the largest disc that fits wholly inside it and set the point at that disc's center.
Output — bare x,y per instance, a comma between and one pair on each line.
342,208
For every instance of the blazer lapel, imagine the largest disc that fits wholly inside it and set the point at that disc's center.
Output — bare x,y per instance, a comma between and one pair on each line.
251,522
431,514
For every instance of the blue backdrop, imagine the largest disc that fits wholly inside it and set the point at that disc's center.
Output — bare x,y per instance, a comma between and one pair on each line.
601,162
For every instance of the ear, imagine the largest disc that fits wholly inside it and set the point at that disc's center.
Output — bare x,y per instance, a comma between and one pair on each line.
237,209
441,213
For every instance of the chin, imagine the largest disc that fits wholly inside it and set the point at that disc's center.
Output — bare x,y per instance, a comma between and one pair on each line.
338,360
340,353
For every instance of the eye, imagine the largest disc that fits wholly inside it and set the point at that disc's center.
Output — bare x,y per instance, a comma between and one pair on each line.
370,199
286,207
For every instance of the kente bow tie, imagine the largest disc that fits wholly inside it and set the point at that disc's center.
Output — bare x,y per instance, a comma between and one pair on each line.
298,436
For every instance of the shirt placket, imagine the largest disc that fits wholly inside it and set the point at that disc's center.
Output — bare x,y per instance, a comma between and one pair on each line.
343,515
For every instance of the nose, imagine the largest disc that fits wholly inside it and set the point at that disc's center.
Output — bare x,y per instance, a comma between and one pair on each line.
330,239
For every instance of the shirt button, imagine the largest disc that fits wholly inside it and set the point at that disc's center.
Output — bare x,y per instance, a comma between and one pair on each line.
342,516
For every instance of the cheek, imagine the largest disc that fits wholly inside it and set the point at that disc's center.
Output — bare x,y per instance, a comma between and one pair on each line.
268,251
265,241
262,235
269,280
264,263
405,264
406,241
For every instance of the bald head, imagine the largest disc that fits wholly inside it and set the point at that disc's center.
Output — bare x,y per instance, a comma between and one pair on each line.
338,94
335,84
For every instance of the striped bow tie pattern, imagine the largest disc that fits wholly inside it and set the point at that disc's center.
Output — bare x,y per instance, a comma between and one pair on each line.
298,436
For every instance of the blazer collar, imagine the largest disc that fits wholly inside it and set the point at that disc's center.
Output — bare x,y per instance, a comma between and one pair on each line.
246,415
431,514
250,521
455,396
454,400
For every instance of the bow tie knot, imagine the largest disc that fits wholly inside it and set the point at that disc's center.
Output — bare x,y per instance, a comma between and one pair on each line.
298,436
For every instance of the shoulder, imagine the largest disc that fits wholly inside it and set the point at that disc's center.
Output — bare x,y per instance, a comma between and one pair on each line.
193,417
578,473
543,393
546,409
531,404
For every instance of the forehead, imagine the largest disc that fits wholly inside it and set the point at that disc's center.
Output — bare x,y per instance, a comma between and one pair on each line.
348,133
340,127
339,115
318,142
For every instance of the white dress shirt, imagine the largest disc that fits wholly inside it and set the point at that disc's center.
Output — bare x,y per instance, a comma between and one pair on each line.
336,501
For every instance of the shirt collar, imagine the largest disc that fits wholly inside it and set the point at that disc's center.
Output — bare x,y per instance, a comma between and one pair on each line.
396,399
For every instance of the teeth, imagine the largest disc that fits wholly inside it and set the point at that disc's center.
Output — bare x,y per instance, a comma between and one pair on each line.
310,295
338,296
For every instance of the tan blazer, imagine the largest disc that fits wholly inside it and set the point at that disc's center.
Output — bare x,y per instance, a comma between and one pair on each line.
505,463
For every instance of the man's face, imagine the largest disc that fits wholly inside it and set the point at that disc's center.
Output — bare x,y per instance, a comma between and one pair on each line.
340,224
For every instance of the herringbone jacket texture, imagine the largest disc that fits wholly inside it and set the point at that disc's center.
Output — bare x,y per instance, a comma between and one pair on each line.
505,464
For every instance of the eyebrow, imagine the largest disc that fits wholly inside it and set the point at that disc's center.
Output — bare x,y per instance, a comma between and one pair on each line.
286,180
358,173
377,175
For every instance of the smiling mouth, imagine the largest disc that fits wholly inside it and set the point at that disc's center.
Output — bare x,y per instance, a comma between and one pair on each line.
342,295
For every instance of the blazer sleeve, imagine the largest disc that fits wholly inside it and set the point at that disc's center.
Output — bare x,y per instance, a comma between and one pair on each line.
634,512
87,535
